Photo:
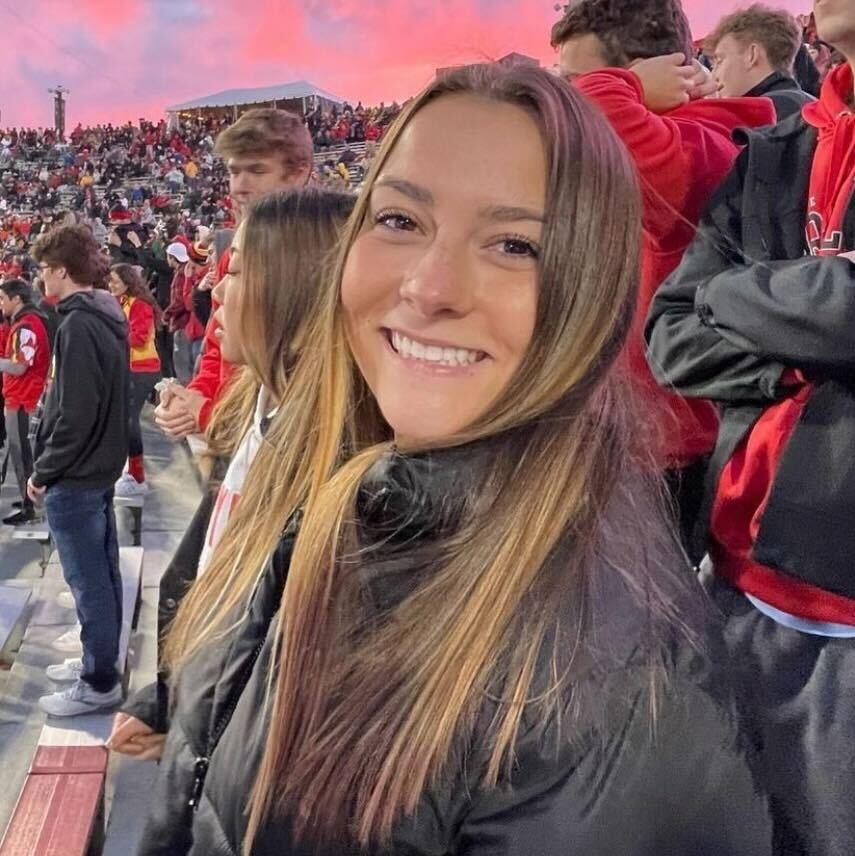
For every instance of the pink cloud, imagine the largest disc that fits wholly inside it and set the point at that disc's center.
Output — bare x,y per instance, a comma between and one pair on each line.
124,60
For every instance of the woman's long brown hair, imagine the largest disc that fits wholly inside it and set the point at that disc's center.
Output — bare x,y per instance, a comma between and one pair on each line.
132,278
287,246
286,243
365,717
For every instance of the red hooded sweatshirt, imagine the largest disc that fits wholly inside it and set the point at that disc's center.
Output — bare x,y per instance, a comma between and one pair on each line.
746,481
214,372
681,156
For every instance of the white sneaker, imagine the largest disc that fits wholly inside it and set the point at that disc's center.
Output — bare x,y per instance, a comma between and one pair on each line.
70,670
128,487
69,641
79,698
65,599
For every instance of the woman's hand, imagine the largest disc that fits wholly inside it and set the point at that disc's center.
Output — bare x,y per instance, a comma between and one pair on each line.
134,738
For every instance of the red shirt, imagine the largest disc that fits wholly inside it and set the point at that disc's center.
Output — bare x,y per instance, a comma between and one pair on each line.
681,157
214,372
27,343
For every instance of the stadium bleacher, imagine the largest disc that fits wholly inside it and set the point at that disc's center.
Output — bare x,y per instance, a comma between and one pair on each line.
60,788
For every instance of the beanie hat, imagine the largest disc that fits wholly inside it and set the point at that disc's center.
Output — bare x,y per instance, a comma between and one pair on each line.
198,254
120,214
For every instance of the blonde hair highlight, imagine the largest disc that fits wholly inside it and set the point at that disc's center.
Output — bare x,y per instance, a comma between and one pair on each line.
365,716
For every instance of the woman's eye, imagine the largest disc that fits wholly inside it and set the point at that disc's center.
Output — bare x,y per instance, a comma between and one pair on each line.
520,247
395,221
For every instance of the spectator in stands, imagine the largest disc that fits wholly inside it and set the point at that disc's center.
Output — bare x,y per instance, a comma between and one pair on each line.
143,316
48,310
628,58
4,341
157,272
759,318
176,315
275,286
175,180
81,444
464,653
195,272
265,151
24,364
753,51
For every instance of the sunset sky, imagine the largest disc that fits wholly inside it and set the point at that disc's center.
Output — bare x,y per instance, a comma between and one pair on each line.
122,60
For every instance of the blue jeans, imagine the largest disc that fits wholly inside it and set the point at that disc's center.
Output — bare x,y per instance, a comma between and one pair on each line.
83,525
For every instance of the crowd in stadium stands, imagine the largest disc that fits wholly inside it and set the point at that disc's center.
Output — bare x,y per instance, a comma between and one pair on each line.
348,124
581,369
152,169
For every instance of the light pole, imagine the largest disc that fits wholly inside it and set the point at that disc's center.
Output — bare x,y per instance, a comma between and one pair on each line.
59,94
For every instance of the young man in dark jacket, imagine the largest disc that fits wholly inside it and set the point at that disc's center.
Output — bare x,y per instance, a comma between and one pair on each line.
24,365
80,450
629,59
760,317
753,52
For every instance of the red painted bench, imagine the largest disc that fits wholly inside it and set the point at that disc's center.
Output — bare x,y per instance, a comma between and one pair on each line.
60,811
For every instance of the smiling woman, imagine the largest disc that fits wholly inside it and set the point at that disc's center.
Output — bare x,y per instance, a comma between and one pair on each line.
477,634
440,287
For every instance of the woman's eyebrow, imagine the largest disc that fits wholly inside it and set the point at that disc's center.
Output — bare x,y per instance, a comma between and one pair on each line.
415,191
509,213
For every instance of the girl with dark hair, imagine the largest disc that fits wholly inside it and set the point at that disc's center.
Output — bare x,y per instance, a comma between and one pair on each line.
449,615
128,287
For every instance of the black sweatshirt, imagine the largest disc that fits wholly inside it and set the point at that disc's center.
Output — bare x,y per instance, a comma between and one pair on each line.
82,439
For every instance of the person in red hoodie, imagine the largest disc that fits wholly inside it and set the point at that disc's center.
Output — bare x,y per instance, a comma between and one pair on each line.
24,364
265,151
143,314
195,271
760,317
4,340
629,58
176,315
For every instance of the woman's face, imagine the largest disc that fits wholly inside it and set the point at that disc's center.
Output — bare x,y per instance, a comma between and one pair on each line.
116,286
440,287
229,294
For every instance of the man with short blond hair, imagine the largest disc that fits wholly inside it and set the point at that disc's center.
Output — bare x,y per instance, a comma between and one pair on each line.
753,51
265,151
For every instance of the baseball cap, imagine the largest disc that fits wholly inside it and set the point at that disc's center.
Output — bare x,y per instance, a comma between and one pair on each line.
178,251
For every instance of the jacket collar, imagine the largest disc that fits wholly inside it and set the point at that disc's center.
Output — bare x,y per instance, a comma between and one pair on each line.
777,81
409,497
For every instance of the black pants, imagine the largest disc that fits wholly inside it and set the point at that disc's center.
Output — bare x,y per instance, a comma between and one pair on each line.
796,694
20,453
142,384
164,344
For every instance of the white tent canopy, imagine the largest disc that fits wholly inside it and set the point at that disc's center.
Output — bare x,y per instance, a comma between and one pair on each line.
259,95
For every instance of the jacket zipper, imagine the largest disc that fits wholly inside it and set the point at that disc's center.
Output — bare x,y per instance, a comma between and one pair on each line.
202,762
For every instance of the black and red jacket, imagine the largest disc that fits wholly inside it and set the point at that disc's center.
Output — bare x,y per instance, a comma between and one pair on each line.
27,342
746,315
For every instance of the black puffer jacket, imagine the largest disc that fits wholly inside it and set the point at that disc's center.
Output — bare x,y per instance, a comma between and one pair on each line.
609,787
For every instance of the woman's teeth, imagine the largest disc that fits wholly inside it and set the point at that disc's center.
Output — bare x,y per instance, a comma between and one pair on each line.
410,349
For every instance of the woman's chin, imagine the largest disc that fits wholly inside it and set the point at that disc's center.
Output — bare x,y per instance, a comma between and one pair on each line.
414,428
